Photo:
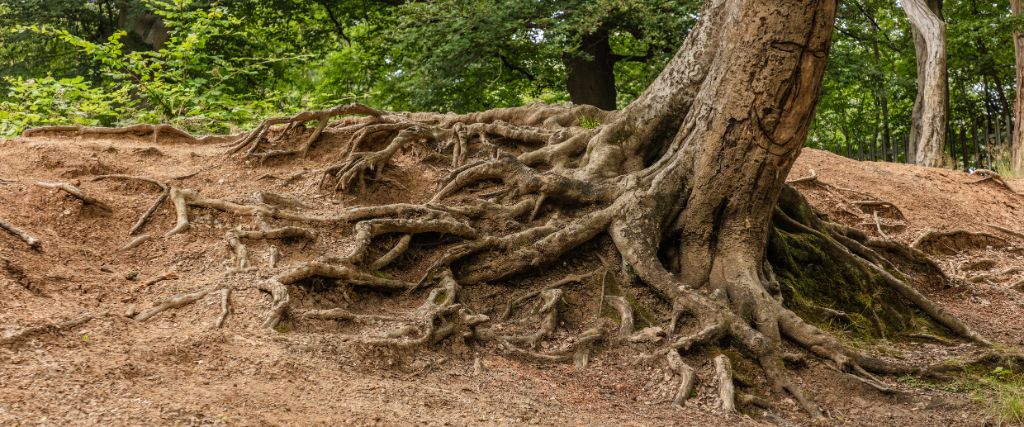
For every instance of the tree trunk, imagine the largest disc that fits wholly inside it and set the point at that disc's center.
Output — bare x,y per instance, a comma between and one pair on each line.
882,95
687,183
591,72
1017,142
965,148
928,120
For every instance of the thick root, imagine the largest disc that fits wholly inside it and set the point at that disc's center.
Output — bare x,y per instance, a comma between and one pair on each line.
687,378
726,389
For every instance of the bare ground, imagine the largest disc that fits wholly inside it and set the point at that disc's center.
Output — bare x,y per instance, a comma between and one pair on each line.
178,369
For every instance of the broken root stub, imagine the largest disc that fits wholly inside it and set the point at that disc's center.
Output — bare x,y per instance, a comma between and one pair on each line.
32,242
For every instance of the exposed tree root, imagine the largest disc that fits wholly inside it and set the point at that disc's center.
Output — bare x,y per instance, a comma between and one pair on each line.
687,378
225,307
32,242
277,285
14,336
77,192
1016,234
136,242
726,389
167,275
176,301
686,184
251,141
951,242
164,192
989,175
812,177
240,252
155,131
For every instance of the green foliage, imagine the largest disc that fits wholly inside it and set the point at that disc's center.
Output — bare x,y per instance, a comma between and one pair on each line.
48,101
456,55
588,122
222,65
186,82
872,62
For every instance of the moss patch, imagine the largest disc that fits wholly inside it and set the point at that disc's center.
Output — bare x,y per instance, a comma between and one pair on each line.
816,286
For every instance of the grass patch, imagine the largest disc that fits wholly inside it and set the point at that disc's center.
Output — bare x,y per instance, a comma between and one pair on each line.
1000,391
588,122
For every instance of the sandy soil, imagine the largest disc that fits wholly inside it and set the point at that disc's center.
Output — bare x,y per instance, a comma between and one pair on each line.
175,369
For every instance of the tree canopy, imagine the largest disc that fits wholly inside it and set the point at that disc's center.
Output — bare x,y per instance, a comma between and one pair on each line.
219,66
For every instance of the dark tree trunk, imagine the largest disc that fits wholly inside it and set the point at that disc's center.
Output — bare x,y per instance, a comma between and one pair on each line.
591,72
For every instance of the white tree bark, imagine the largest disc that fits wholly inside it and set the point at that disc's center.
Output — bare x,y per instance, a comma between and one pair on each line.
928,127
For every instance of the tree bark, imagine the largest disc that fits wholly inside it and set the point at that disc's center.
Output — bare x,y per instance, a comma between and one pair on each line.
688,182
928,121
591,72
1017,142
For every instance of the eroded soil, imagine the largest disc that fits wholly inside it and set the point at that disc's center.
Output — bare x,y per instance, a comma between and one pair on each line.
177,369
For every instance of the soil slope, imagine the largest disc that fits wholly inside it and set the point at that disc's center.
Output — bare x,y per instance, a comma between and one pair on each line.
177,369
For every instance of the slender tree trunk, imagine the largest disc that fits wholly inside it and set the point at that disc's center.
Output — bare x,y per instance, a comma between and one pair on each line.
591,72
995,115
978,160
874,141
1017,143
928,127
965,150
883,98
953,153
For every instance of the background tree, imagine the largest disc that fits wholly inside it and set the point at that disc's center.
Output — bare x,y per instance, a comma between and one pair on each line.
928,121
465,56
422,56
1018,114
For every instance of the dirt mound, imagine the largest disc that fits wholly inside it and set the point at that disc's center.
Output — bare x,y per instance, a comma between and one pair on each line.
176,368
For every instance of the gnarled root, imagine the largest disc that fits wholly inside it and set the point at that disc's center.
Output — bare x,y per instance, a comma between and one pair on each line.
277,285
250,142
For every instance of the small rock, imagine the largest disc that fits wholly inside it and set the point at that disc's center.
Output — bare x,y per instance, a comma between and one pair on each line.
131,275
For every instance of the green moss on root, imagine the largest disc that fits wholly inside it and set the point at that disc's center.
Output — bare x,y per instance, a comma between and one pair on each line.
812,284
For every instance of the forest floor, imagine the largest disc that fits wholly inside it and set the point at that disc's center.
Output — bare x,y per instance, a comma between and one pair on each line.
177,369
